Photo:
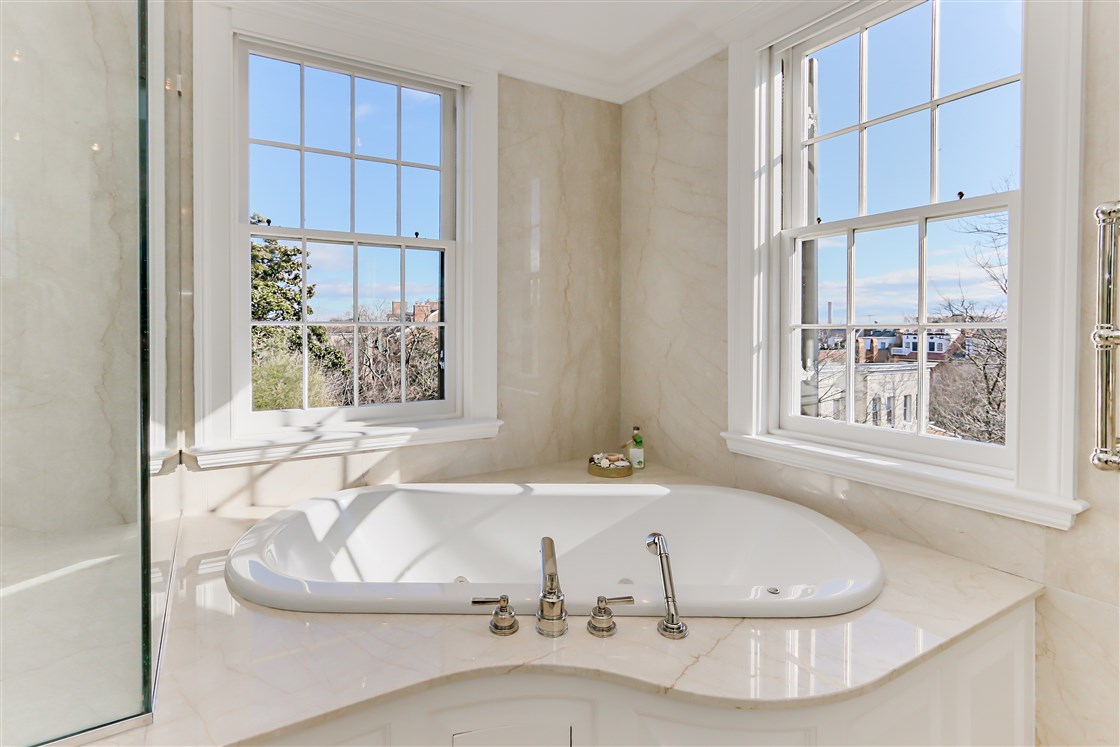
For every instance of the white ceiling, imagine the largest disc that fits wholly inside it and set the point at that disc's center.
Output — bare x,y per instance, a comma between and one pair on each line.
609,49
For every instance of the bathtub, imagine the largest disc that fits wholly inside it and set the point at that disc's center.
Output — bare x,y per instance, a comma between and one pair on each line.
430,548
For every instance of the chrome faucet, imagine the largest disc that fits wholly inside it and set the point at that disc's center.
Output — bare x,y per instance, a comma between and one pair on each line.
552,620
672,626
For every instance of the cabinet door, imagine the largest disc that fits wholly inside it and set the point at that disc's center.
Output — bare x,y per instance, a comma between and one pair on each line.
521,735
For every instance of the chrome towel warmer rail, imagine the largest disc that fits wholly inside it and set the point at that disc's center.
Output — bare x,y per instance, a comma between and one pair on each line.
1106,337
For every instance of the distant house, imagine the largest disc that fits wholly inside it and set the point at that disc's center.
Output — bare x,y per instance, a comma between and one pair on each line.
428,311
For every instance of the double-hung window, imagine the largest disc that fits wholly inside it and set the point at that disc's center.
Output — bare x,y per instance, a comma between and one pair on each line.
349,220
913,176
345,236
903,145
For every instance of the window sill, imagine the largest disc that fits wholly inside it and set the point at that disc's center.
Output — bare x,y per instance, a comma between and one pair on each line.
985,493
302,443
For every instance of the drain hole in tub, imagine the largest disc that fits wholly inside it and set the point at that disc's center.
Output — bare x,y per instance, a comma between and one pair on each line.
625,580
462,580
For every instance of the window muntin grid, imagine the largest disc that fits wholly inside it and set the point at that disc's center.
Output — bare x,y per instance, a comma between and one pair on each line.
816,341
419,371
810,139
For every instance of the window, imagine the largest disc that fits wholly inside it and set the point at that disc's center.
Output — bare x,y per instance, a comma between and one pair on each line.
904,146
351,220
889,215
346,237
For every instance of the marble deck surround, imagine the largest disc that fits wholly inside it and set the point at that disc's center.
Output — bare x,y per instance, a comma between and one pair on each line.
233,670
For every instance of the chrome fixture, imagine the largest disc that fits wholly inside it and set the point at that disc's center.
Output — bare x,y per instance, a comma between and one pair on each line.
601,624
552,620
672,626
504,619
1106,337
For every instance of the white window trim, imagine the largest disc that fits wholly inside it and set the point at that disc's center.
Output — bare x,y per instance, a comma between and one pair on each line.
1040,486
217,25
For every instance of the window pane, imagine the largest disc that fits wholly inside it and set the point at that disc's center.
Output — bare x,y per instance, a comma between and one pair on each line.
424,285
379,365
824,280
375,118
898,61
978,144
274,184
886,374
424,363
276,273
273,100
898,163
968,384
978,43
330,366
420,126
327,197
824,373
375,198
419,202
833,87
886,273
832,190
966,268
277,368
379,283
330,282
326,112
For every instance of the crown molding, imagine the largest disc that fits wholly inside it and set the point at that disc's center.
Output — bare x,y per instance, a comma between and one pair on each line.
451,29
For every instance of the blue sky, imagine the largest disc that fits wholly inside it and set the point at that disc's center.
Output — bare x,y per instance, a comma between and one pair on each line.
329,121
977,150
977,153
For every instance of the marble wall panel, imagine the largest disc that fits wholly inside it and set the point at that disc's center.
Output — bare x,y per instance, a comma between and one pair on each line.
1077,639
70,309
674,260
559,166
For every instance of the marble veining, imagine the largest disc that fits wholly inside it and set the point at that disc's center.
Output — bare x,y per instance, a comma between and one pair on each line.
233,670
70,270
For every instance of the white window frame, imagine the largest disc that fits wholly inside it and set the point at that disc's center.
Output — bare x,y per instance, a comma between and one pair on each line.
227,432
1035,481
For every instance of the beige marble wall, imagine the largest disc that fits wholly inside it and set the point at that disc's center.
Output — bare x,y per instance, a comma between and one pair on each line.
69,309
558,316
674,369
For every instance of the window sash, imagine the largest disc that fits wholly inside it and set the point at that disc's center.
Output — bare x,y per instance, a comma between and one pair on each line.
992,459
792,58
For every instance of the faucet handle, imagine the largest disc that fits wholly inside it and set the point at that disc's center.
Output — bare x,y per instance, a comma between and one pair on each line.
601,624
504,619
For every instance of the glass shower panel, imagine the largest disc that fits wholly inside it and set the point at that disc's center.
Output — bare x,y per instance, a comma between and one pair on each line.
74,654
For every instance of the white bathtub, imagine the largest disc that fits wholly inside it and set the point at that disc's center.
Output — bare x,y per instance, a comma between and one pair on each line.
431,548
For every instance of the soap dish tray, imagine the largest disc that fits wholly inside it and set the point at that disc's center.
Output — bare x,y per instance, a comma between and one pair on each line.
598,471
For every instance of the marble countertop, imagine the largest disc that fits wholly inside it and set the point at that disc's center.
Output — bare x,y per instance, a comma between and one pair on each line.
232,670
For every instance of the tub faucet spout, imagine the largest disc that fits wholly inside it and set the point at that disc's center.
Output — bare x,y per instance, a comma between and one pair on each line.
552,620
